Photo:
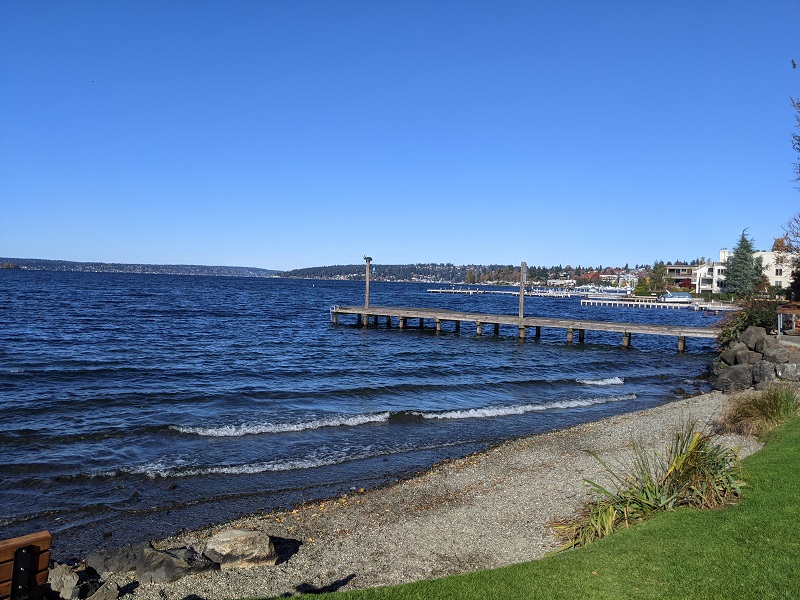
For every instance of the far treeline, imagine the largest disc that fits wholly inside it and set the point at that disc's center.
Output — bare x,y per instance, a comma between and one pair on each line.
459,274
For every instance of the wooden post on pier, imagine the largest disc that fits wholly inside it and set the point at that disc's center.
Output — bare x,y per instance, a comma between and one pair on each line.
523,277
422,322
497,328
478,328
388,322
438,326
681,343
366,294
581,335
626,339
401,322
458,326
569,335
538,333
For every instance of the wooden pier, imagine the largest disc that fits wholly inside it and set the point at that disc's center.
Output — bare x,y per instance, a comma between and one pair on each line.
402,315
629,303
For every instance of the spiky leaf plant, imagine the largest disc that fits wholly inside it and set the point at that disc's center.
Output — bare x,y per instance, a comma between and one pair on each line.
693,471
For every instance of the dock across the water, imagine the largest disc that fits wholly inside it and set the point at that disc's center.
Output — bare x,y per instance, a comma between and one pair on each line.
402,315
632,302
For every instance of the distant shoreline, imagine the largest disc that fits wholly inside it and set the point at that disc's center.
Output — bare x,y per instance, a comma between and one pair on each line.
41,264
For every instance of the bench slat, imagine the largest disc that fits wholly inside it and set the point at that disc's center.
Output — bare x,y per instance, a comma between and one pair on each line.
41,564
40,542
43,540
5,587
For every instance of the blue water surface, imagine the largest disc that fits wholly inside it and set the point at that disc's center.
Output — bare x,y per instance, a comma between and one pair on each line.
141,404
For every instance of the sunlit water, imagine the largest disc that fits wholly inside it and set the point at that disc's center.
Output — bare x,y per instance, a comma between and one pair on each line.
136,404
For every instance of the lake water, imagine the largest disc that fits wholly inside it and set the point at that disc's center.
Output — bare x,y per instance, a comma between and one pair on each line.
136,405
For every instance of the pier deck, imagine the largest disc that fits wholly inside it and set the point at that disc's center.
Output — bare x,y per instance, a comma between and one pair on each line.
439,316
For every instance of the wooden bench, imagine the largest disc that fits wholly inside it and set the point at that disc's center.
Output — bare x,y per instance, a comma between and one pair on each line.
24,563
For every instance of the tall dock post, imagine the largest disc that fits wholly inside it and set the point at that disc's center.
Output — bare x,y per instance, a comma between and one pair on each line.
523,278
366,295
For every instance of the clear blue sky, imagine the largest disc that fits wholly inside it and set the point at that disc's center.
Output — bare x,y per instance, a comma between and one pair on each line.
284,134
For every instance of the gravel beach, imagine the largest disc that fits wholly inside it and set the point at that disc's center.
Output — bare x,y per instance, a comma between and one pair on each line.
482,511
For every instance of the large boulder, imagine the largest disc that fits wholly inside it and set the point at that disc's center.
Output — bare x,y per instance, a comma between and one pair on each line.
64,581
763,372
735,378
117,560
159,566
748,357
776,354
241,548
108,591
766,342
729,355
751,335
788,371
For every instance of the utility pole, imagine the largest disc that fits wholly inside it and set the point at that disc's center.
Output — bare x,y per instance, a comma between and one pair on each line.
366,299
523,278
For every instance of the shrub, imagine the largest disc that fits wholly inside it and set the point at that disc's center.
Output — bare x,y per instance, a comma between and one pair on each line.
758,312
694,471
760,413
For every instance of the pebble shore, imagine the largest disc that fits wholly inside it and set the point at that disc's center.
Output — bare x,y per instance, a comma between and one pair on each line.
482,511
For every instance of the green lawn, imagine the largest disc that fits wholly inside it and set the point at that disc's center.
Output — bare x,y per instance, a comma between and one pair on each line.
751,550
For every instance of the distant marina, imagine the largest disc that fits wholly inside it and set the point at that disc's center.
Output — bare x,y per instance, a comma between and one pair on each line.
541,292
606,296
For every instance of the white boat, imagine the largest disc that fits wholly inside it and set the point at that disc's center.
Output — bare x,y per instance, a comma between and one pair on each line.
676,297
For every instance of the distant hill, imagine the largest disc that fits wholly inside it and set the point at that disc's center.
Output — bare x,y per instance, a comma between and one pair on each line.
427,272
38,264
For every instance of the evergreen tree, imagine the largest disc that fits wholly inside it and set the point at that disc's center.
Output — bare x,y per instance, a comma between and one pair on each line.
743,271
658,277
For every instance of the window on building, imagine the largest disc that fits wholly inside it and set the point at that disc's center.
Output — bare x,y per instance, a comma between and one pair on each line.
779,284
778,272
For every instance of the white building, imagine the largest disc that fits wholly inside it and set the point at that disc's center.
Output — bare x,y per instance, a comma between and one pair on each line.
710,277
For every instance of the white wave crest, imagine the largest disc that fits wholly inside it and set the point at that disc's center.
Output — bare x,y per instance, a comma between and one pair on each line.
262,428
501,411
606,381
156,470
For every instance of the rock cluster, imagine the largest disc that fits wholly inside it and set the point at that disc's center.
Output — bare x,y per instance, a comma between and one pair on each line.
755,360
232,548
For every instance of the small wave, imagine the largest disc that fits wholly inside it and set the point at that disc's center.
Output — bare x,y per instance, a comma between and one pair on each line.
605,381
262,428
156,470
519,409
399,417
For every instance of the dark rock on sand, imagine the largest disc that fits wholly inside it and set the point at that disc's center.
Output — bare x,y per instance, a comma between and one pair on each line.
159,566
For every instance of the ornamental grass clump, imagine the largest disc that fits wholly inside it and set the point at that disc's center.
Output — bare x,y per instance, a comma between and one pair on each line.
759,413
693,471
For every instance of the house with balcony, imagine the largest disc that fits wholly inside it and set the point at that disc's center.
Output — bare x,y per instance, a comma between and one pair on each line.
678,274
710,277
